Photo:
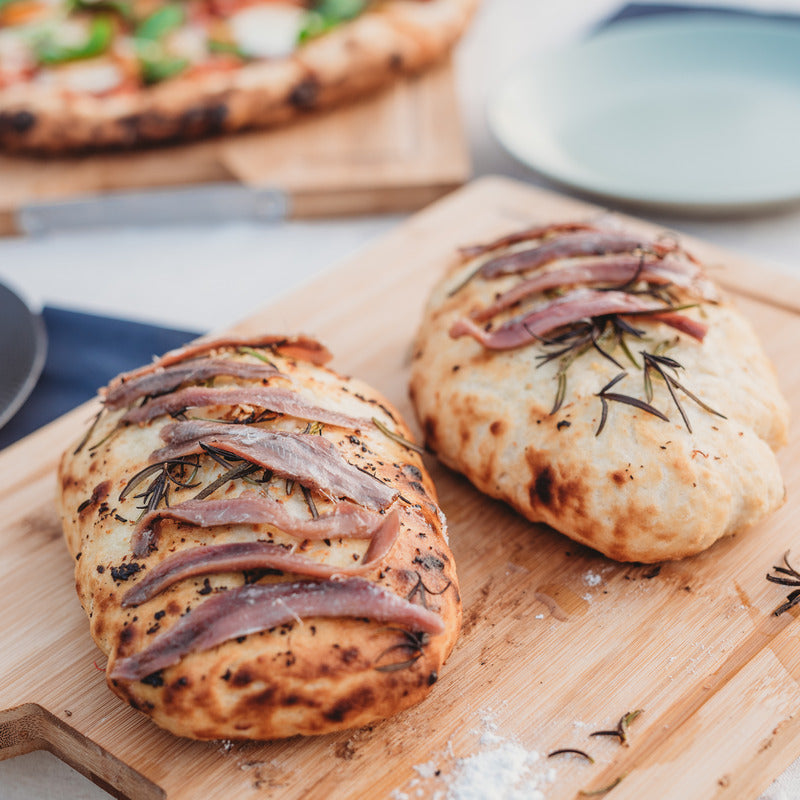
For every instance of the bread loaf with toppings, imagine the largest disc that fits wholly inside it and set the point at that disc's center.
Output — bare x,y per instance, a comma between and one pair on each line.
258,545
598,381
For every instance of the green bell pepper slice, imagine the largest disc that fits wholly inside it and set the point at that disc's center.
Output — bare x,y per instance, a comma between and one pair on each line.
327,14
101,33
160,23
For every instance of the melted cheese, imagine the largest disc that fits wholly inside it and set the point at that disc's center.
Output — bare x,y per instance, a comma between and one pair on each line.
96,76
267,31
189,43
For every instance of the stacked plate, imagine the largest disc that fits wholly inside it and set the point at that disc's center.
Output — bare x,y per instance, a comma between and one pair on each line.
687,112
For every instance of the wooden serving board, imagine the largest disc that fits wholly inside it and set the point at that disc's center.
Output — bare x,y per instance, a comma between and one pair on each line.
693,644
395,150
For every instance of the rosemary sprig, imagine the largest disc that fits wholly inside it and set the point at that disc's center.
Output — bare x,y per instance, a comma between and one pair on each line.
173,470
413,642
88,433
565,750
605,396
792,579
603,334
621,731
396,437
239,470
625,721
250,351
312,507
660,364
421,589
603,789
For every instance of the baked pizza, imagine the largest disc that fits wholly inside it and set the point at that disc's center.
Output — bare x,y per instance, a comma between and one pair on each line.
82,74
598,381
258,546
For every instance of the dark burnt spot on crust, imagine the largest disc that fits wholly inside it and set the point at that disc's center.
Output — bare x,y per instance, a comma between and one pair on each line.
154,679
497,427
412,472
304,94
396,61
552,490
542,487
418,487
356,701
126,639
242,677
265,697
99,494
204,119
144,126
349,655
430,563
16,122
618,477
125,571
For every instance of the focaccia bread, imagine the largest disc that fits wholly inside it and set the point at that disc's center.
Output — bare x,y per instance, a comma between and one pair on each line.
258,545
88,74
597,381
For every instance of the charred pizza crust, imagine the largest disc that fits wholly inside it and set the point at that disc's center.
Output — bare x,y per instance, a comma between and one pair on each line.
396,37
601,470
309,674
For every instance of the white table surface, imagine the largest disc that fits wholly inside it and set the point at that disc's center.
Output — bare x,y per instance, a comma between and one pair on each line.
204,277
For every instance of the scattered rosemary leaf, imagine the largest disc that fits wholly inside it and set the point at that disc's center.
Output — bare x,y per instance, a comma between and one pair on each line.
561,391
565,750
396,437
312,507
414,642
625,721
607,733
792,599
605,395
88,433
792,579
465,280
794,575
250,351
603,790
396,667
659,364
234,472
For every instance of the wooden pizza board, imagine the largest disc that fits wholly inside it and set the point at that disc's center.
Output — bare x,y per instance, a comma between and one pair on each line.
396,150
695,646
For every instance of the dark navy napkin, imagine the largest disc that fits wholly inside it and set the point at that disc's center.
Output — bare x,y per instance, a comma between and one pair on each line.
637,10
84,352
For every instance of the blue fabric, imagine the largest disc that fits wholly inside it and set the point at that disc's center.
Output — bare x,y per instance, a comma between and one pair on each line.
84,352
637,10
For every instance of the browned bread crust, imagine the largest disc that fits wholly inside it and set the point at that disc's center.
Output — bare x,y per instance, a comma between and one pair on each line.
397,37
642,489
308,676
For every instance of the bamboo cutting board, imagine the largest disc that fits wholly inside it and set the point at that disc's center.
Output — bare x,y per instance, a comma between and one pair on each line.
396,150
557,642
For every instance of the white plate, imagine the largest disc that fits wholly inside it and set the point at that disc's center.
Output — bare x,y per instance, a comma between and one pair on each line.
691,112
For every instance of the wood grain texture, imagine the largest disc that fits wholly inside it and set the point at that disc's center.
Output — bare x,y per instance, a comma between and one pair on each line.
394,151
695,645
